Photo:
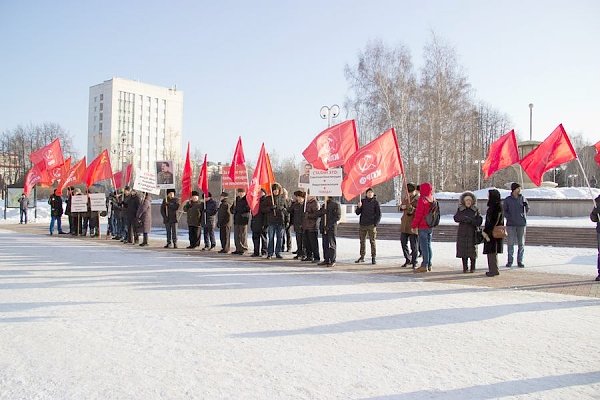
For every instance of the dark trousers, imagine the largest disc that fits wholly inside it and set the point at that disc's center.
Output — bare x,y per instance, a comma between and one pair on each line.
300,243
329,247
132,232
171,232
193,236
371,232
465,263
287,240
492,260
23,215
240,238
411,258
209,236
311,245
224,236
259,240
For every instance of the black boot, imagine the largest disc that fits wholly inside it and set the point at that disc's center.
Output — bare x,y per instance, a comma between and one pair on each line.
144,240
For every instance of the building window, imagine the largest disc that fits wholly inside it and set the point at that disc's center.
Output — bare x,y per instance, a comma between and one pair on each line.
101,106
100,116
100,127
101,97
95,99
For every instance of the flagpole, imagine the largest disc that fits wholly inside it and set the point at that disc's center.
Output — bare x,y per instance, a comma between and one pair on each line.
521,172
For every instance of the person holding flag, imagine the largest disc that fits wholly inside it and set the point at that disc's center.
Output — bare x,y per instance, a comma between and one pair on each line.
370,215
208,212
168,210
516,208
56,211
275,210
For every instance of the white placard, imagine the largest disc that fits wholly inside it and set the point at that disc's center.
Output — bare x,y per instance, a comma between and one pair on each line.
79,203
97,202
145,181
164,175
326,183
304,176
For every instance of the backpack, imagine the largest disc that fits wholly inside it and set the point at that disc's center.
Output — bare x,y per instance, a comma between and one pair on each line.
432,219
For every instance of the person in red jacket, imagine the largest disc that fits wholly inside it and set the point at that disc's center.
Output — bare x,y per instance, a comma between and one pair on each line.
418,222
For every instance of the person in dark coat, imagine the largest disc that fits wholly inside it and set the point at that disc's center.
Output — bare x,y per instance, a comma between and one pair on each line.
296,210
468,218
23,207
192,209
515,209
168,211
56,212
144,218
370,215
133,203
287,225
241,218
595,217
258,226
493,217
330,214
310,230
407,233
275,211
224,222
72,219
208,209
125,221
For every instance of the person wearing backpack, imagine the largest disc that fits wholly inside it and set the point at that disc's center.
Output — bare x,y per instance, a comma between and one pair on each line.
422,213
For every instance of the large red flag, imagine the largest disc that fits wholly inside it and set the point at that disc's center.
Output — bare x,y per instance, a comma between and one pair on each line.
37,174
203,177
50,155
99,169
118,179
263,176
552,152
76,175
186,177
270,175
503,153
238,159
372,164
128,170
332,147
597,157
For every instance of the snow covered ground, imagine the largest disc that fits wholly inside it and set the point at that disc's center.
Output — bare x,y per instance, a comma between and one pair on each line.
83,319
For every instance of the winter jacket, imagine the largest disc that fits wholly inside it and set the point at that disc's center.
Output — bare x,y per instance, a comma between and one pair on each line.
23,203
594,216
224,214
258,221
409,214
296,211
192,208
468,220
311,215
55,202
493,217
241,211
132,202
423,206
369,211
208,210
276,203
168,210
330,214
515,210
144,215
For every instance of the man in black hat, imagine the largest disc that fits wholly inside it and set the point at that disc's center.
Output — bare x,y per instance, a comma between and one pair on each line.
275,211
515,212
168,210
224,223
296,210
192,209
241,217
208,208
259,234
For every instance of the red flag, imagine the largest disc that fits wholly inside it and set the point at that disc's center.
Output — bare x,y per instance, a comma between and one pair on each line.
118,179
238,159
50,155
270,175
37,174
99,169
503,153
263,176
128,174
186,177
75,175
372,164
61,172
597,157
552,152
332,147
203,177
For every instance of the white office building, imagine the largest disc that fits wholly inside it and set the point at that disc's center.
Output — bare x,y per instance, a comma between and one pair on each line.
136,122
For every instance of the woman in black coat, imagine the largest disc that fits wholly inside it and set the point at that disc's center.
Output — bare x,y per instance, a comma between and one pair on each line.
494,217
468,219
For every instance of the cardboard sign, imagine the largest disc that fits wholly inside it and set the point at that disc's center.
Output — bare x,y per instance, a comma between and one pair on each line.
145,181
241,178
326,183
79,203
97,202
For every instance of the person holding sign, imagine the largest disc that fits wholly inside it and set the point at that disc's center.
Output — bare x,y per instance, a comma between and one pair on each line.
168,210
144,218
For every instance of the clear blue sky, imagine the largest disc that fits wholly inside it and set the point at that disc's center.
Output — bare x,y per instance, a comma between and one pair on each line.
263,69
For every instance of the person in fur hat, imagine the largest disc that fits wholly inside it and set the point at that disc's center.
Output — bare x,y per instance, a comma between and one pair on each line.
275,211
469,219
168,210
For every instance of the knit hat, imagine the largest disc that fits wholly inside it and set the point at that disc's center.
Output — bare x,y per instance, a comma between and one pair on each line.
410,187
170,191
514,186
299,193
369,190
224,194
195,193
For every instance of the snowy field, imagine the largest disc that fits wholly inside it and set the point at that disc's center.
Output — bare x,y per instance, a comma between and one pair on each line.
86,320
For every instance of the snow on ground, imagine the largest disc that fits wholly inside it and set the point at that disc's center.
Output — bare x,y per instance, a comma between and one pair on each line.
536,193
81,319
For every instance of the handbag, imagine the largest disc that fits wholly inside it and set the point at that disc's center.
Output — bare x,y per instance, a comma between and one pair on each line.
479,235
499,231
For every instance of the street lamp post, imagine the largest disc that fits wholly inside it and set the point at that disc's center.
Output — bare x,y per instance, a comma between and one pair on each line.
330,113
122,150
530,121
